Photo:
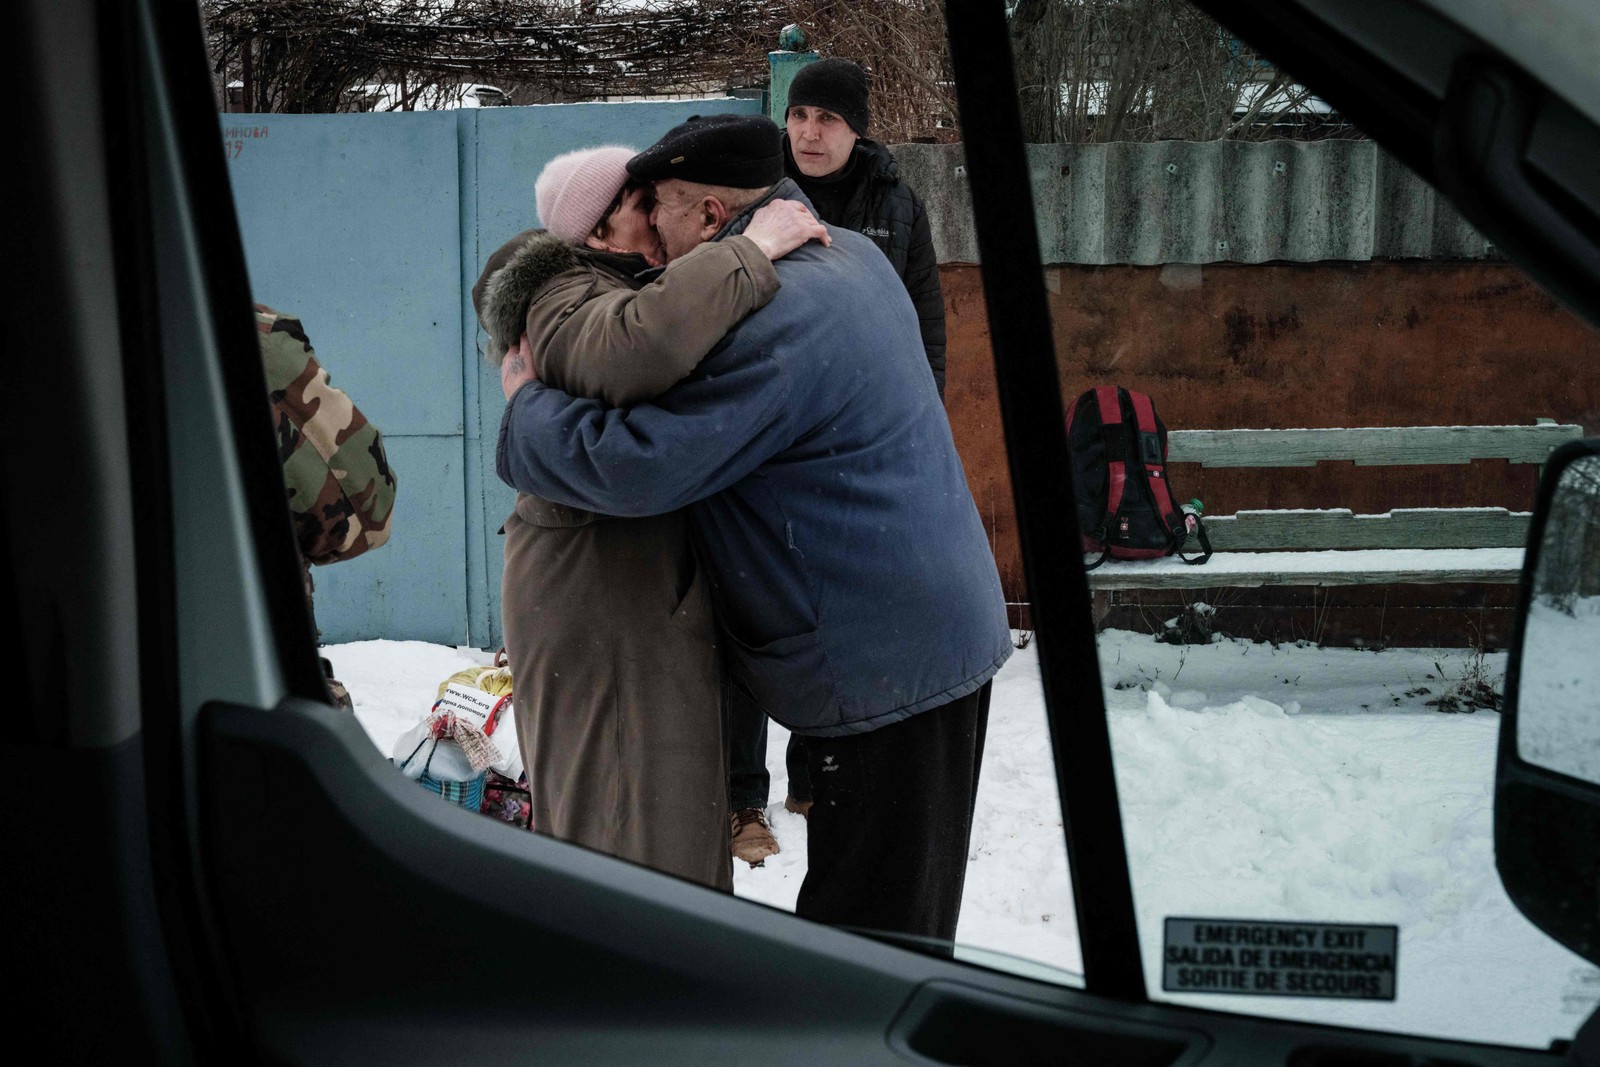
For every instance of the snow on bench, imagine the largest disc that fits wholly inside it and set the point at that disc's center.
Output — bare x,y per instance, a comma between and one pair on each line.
1382,566
1333,546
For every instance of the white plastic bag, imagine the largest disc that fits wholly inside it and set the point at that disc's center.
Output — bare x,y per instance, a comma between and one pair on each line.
418,753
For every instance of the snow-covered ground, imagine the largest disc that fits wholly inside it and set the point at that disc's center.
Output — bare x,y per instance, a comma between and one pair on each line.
1257,782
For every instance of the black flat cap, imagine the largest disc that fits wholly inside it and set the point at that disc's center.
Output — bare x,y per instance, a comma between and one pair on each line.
741,151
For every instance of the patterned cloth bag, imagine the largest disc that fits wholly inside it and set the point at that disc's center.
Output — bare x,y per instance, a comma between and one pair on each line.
456,748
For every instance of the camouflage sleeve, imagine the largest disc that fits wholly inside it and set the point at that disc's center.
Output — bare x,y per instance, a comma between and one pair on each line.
338,480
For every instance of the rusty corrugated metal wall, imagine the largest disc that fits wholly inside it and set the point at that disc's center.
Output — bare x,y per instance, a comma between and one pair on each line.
1206,202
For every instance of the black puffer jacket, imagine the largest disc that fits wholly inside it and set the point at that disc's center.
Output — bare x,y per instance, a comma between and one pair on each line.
881,206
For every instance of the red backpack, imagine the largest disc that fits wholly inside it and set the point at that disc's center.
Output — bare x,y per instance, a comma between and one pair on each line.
1126,507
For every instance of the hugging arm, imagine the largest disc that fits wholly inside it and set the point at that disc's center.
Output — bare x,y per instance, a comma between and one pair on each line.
624,346
701,437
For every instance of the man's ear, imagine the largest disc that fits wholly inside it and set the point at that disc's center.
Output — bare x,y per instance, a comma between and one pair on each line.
713,217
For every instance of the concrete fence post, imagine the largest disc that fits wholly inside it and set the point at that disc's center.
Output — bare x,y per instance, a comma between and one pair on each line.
784,66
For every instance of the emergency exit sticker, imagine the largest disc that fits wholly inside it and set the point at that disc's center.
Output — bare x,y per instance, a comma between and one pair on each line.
1280,959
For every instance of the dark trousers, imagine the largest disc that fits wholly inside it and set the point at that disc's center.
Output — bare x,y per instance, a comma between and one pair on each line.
888,833
748,780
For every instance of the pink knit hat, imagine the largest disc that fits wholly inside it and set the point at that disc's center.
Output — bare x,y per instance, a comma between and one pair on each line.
574,189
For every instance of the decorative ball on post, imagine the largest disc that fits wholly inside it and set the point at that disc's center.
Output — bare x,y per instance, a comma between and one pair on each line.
792,38
783,64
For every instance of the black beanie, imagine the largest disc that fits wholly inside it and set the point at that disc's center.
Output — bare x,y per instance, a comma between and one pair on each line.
742,151
837,85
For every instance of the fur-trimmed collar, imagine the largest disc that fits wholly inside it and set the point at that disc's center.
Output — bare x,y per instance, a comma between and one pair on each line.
511,288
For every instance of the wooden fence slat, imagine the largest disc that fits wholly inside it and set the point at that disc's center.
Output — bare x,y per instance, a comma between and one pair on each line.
1338,528
1202,578
1368,446
1499,566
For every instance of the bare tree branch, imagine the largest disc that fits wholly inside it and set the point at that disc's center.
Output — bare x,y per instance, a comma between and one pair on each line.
1087,70
319,55
1141,70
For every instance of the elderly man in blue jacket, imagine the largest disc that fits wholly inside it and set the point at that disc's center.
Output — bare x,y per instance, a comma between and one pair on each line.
851,573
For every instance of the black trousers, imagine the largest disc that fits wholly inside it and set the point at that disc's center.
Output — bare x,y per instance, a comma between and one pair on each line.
745,727
888,834
746,730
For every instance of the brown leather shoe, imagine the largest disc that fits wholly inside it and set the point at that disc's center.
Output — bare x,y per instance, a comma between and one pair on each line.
752,837
801,808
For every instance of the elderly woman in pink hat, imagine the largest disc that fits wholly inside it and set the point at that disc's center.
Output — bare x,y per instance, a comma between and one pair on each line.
607,621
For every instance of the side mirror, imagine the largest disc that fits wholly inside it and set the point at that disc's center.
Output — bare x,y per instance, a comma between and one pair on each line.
1547,781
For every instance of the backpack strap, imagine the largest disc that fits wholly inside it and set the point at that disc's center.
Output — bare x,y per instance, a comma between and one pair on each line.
1108,398
1154,467
1205,545
1152,458
1104,555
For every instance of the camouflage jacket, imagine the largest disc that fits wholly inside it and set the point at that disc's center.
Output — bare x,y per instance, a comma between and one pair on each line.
340,487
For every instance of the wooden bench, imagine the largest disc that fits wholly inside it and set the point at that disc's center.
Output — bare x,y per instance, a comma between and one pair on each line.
1336,547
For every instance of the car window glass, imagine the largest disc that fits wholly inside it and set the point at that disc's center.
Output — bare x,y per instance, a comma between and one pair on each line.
1304,753
1304,724
370,199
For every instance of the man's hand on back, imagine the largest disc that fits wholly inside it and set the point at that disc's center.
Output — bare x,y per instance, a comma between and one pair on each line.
781,226
516,370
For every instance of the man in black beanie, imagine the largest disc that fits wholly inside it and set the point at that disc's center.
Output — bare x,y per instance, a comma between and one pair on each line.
852,182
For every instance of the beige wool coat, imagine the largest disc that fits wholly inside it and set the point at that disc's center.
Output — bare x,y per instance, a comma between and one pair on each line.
607,621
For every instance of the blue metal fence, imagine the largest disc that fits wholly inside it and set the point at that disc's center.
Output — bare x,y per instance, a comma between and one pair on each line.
372,228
